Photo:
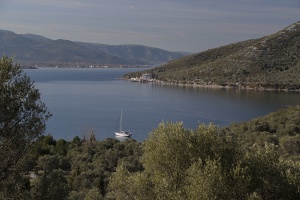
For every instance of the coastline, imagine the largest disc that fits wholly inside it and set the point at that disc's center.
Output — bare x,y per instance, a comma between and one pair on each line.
214,86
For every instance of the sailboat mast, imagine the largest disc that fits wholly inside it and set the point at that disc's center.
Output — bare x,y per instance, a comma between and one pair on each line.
121,121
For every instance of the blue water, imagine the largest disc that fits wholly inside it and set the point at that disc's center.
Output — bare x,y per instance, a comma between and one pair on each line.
85,100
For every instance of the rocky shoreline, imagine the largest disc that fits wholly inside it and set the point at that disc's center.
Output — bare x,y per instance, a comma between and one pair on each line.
216,86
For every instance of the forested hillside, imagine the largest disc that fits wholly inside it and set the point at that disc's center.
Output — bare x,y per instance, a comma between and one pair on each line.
259,159
269,62
282,128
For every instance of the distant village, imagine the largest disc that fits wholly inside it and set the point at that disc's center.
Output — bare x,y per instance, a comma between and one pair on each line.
78,65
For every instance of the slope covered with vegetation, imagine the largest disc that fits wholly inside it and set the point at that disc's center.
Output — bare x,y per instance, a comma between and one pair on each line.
282,128
210,163
259,159
269,62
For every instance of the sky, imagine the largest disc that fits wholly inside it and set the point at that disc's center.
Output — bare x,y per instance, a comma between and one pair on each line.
174,25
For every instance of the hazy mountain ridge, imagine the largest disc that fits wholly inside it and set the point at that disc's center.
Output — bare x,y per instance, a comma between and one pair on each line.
135,53
269,62
30,48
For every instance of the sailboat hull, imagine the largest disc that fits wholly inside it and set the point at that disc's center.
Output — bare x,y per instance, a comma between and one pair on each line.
123,134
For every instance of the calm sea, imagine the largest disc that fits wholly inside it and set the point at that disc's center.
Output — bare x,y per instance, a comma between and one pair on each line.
84,100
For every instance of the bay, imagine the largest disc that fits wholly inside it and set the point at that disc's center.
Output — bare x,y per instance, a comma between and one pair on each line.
88,99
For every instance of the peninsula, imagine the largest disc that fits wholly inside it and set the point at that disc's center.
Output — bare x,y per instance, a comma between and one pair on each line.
270,62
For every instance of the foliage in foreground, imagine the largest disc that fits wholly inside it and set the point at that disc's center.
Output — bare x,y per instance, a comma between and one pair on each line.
22,119
203,164
79,169
173,163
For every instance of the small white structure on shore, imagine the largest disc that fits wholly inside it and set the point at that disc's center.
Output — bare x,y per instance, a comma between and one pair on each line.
143,78
146,77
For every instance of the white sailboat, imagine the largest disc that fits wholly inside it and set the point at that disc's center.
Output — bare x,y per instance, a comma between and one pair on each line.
122,133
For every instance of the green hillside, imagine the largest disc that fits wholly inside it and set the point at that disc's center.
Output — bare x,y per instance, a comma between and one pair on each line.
269,62
281,128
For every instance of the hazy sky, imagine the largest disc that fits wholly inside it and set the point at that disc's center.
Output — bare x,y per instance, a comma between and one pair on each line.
175,25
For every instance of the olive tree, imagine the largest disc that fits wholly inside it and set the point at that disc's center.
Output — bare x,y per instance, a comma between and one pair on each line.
206,164
168,155
22,116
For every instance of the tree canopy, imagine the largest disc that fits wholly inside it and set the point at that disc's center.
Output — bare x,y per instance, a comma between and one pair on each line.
206,164
22,116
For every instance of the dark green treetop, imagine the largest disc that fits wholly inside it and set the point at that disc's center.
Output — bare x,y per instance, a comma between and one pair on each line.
22,115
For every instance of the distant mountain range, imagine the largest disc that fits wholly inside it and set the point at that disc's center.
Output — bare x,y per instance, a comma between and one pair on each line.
270,62
35,49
